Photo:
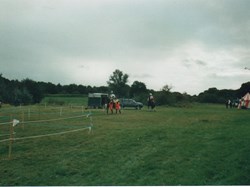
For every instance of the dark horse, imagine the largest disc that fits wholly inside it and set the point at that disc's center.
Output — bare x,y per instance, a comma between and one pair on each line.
151,103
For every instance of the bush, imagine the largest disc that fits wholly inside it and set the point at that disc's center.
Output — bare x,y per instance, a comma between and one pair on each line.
55,102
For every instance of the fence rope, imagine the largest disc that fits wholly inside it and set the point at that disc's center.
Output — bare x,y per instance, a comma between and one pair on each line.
51,134
45,135
48,120
6,123
57,119
6,134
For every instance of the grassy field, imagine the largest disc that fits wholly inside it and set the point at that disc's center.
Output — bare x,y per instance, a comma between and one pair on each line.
62,99
198,145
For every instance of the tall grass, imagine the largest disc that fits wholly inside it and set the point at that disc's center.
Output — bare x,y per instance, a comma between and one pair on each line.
199,145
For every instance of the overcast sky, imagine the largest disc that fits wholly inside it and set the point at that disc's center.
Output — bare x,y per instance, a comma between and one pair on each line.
191,45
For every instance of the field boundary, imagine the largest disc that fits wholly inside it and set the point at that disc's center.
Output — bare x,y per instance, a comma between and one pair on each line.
46,135
15,122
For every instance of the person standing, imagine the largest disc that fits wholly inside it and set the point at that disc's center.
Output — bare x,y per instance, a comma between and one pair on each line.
226,104
230,103
110,101
118,106
111,105
112,95
151,101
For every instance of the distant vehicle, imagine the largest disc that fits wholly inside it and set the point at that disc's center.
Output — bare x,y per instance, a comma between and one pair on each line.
130,103
97,100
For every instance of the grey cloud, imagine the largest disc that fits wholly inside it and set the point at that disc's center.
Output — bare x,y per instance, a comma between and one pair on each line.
123,32
144,75
244,60
193,62
127,28
200,63
83,67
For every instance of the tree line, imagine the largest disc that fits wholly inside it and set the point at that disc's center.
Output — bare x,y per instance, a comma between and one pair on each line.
28,91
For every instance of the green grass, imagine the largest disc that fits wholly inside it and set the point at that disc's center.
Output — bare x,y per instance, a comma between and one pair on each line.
66,99
199,145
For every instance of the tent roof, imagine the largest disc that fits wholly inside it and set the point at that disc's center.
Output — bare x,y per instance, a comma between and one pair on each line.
97,94
247,97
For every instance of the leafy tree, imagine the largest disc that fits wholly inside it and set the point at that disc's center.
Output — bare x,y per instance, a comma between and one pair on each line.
167,88
243,89
164,97
34,89
137,88
118,83
2,87
22,96
213,95
51,88
72,89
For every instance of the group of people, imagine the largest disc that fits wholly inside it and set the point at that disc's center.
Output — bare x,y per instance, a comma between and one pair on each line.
113,104
239,103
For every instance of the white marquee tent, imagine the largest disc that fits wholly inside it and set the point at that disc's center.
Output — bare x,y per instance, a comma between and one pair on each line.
245,101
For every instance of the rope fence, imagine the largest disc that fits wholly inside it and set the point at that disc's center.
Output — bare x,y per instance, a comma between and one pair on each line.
16,122
46,135
48,120
39,112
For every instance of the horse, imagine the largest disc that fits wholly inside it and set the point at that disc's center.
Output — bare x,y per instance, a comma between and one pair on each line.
151,103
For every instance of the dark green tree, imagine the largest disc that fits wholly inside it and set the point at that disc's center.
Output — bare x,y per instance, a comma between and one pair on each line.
22,96
34,89
118,83
245,88
137,88
165,97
